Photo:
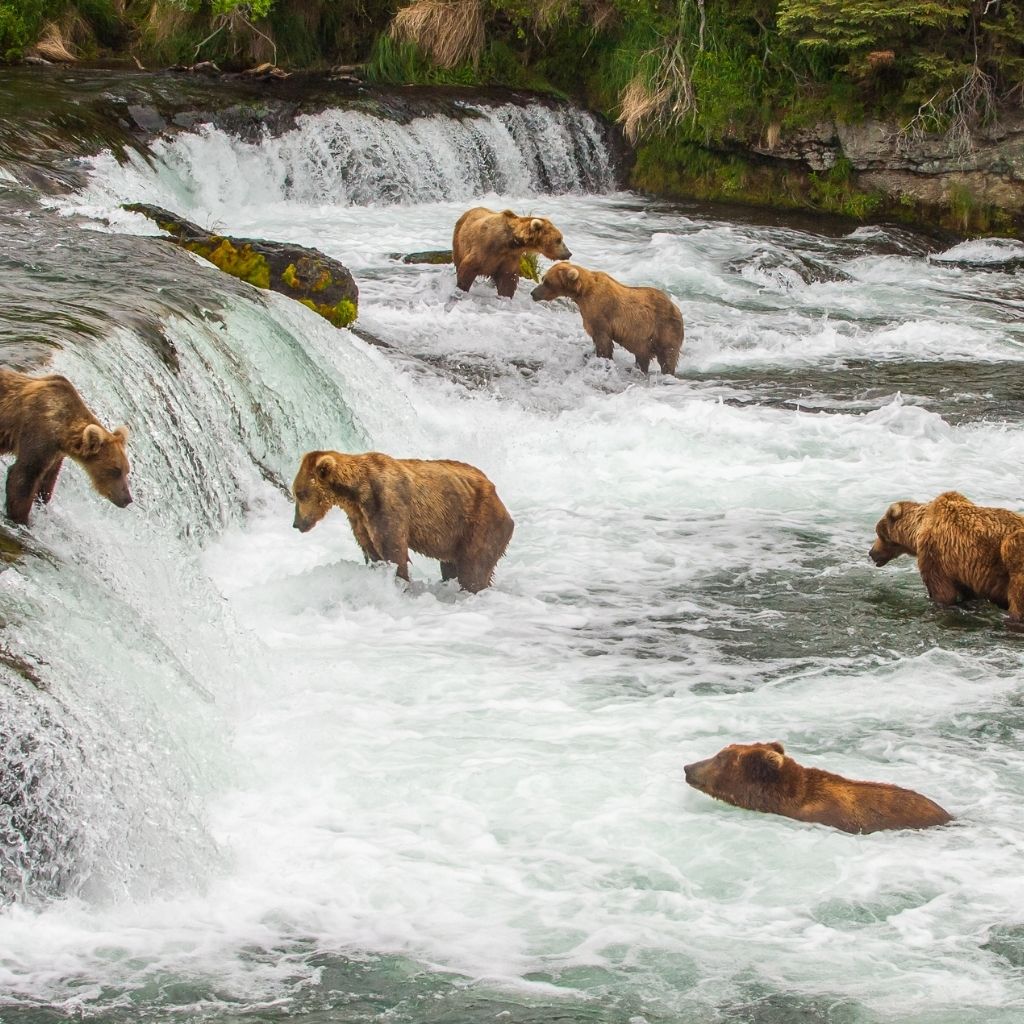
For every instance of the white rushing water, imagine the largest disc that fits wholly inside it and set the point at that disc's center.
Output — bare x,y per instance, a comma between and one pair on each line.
283,763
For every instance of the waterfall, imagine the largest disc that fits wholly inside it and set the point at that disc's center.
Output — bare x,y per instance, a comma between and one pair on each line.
105,745
355,158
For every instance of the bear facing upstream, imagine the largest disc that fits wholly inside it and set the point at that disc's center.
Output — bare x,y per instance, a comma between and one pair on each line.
444,510
644,321
43,420
963,550
489,244
760,777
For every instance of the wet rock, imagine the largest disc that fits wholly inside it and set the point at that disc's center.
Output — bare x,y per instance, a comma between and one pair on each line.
303,274
147,118
784,270
436,257
926,167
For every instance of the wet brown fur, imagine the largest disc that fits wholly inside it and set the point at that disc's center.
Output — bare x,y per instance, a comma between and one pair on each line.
489,244
644,321
442,509
761,777
42,421
963,550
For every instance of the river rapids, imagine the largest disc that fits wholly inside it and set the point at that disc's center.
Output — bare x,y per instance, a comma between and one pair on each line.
246,778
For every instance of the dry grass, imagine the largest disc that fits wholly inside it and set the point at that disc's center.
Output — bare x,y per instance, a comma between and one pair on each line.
661,101
166,22
54,44
450,32
957,117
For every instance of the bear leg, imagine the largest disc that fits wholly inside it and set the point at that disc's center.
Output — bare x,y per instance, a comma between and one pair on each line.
941,588
1012,553
48,483
465,276
370,553
448,571
390,540
603,345
506,284
483,549
23,479
668,356
643,363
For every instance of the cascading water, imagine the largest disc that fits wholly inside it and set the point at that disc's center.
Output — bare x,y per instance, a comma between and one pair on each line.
250,778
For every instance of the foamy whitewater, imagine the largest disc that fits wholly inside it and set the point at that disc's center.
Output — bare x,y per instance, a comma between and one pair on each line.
277,782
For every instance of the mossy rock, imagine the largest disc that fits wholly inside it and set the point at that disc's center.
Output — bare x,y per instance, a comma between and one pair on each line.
306,275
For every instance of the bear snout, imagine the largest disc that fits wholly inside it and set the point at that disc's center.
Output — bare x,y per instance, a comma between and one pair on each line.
879,555
563,253
694,773
538,294
124,500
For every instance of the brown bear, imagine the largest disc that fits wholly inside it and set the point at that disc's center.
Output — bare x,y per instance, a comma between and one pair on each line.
963,550
644,321
760,777
42,421
442,509
489,244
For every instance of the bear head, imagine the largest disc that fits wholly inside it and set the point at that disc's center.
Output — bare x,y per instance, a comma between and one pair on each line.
561,280
538,234
896,532
101,453
324,479
744,774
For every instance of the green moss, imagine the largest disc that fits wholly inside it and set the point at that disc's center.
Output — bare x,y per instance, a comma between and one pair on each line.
341,315
242,263
290,276
528,266
691,171
836,191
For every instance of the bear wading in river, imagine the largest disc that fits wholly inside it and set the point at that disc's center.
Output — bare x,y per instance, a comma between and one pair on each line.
489,244
43,420
644,321
963,550
442,509
760,777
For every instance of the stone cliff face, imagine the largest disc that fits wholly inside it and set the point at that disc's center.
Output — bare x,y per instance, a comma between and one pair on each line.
913,167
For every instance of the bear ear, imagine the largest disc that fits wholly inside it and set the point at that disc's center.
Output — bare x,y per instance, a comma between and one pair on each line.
536,224
894,511
763,765
122,433
325,467
92,439
572,275
509,213
776,745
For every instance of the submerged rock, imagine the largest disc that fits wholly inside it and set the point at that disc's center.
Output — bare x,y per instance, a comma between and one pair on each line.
433,256
303,274
528,266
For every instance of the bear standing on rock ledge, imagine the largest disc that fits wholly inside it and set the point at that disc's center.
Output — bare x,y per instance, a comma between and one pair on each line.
42,421
963,550
760,777
489,244
442,509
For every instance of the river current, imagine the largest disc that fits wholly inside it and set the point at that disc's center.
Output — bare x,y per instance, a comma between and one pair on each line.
255,780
